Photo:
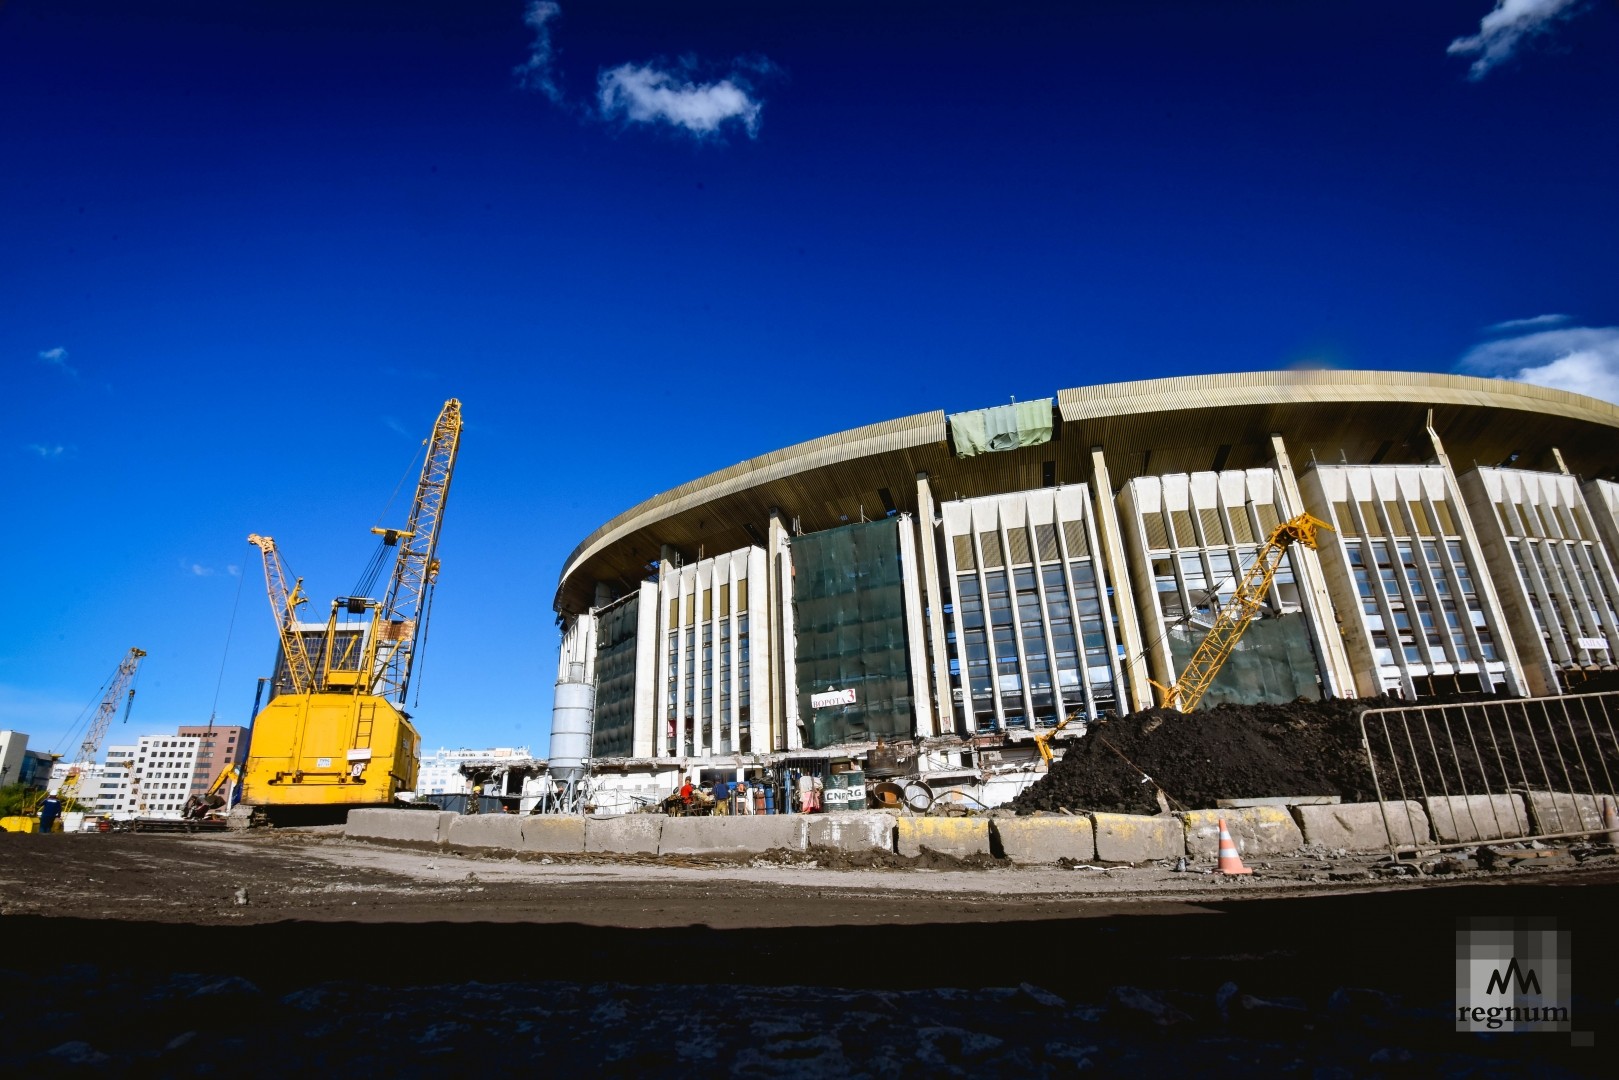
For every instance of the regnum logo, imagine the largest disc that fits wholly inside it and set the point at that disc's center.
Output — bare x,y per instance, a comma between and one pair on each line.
1512,974
1526,979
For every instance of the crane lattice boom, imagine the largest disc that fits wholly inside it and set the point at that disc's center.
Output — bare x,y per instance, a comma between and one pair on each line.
1235,614
284,605
410,591
119,688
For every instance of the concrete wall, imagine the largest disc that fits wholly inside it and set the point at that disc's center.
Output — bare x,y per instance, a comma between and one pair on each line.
1035,840
731,835
485,832
1136,838
553,834
1256,830
632,834
1560,812
960,837
1462,818
851,832
399,826
1039,840
1360,826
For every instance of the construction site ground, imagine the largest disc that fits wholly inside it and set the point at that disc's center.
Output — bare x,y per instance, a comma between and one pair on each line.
263,953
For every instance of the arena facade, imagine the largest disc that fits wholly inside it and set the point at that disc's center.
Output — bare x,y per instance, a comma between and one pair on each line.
955,584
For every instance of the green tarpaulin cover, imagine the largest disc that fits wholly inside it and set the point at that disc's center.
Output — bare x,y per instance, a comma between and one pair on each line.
1005,427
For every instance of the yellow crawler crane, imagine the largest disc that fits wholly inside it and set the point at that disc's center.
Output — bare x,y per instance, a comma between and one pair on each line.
1235,615
333,735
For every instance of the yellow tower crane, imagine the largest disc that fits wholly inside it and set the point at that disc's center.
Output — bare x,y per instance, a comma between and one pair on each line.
333,736
121,688
1235,614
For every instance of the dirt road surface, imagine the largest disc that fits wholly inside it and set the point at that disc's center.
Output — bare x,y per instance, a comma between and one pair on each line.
267,953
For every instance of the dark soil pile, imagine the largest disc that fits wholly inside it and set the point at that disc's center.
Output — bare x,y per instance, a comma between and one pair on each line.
1228,752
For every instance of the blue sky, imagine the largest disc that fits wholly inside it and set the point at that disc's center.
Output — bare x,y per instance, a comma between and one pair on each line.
251,248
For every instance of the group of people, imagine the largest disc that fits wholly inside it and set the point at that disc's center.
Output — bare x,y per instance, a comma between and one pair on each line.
725,796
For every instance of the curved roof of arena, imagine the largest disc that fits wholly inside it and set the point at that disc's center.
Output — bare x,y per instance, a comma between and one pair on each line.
1151,427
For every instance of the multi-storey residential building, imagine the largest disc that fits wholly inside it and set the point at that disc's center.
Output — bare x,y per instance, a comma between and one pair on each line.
161,778
218,748
113,790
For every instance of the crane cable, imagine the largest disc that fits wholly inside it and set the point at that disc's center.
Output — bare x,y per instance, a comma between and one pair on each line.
213,710
373,569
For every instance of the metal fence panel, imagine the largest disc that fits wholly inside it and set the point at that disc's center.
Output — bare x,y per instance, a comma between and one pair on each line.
1525,769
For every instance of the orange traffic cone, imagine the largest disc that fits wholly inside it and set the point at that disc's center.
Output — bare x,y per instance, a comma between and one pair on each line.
1230,861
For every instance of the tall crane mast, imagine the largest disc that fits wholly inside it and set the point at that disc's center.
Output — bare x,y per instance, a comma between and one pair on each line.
284,604
1235,614
410,591
120,687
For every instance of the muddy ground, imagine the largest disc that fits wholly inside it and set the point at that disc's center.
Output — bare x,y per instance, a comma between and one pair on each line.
297,950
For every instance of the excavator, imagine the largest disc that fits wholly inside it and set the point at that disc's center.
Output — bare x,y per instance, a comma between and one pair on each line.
1042,741
211,805
1235,615
334,735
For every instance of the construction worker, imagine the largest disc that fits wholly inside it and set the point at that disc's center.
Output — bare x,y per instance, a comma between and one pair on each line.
722,797
49,811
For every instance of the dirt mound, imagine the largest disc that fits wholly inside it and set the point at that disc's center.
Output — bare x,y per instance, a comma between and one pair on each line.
1228,752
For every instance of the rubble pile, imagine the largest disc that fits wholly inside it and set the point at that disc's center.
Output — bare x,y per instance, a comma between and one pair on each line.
1227,752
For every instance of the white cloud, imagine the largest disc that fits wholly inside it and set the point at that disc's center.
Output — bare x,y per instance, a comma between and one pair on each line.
1510,24
1515,325
54,450
538,72
649,93
1580,359
644,95
57,358
197,569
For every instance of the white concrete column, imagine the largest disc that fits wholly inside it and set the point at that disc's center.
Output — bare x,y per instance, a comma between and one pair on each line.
934,722
1329,642
915,628
1517,683
648,647
793,734
1118,578
761,654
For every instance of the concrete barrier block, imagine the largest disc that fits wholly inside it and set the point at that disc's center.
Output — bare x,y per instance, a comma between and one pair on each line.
631,834
1137,838
1359,826
1256,830
1046,839
1562,812
399,826
1459,819
730,835
960,837
485,832
553,833
853,832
